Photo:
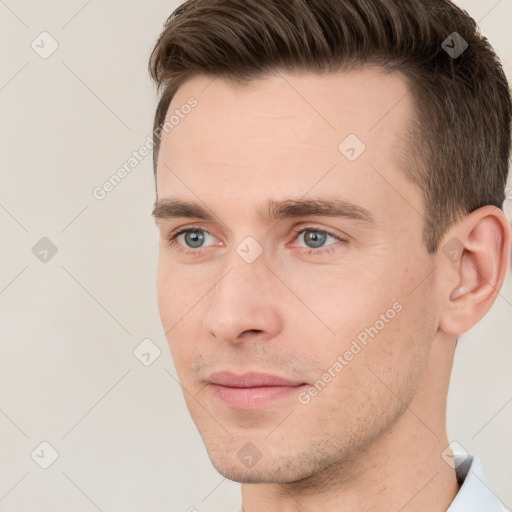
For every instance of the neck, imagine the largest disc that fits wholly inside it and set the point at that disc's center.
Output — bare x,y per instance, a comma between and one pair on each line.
402,470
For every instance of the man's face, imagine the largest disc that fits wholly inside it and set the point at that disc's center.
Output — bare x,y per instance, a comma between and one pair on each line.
340,308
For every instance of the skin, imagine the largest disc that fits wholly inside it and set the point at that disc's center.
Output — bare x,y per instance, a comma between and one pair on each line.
372,438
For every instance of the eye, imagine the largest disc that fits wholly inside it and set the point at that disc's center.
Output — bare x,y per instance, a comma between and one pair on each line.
192,238
315,240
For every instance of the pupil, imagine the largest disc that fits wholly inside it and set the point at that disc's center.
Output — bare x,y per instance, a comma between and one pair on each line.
194,239
317,239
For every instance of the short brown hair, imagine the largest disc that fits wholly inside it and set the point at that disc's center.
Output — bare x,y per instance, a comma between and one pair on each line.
458,145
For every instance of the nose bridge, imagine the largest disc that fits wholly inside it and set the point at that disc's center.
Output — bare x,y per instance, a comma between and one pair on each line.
242,300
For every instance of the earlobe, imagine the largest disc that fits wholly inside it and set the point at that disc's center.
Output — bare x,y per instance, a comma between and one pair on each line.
477,274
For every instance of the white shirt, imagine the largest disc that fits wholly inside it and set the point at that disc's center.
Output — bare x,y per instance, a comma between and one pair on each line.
475,493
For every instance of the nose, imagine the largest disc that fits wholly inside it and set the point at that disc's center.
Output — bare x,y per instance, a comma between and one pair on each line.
244,304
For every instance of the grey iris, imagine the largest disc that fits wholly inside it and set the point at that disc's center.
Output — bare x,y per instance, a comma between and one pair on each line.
194,239
316,238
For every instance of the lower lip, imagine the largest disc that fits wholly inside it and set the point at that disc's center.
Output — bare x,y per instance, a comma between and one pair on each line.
253,398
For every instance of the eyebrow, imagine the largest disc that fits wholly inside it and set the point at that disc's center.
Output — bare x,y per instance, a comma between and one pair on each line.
273,210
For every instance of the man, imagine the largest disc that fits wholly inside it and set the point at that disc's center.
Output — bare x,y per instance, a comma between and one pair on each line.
330,176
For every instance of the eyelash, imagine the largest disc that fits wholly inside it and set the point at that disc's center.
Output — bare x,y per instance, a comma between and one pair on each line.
322,251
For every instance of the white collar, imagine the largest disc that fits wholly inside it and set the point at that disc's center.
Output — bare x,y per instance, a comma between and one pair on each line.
475,493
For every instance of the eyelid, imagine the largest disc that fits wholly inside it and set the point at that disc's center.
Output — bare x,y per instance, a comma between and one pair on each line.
325,231
296,230
187,227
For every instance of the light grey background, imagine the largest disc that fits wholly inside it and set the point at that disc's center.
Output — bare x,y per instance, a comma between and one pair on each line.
69,326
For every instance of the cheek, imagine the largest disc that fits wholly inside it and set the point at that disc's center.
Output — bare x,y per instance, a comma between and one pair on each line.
175,303
368,312
396,341
359,382
181,294
166,293
178,291
339,301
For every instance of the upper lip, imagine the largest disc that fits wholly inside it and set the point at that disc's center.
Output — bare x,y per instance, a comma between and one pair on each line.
249,380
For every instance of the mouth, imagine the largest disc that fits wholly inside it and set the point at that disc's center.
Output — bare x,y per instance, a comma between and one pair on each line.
251,390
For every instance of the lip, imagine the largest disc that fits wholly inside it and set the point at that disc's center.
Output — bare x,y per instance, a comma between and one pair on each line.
251,390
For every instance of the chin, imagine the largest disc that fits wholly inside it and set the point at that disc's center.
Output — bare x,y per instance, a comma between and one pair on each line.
280,469
247,477
262,475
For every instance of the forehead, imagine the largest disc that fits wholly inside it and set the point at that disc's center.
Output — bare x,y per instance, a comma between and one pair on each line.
283,134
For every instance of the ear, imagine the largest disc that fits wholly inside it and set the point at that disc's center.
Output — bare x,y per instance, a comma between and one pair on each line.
473,260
